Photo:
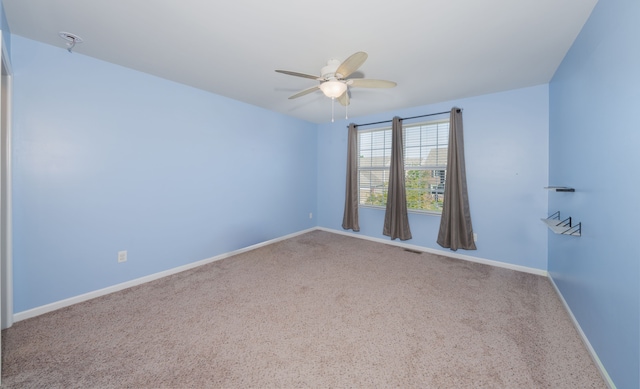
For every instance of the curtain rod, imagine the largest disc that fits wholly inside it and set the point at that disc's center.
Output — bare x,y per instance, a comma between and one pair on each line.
412,117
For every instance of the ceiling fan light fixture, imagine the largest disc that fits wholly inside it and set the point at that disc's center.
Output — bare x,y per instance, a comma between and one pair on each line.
333,88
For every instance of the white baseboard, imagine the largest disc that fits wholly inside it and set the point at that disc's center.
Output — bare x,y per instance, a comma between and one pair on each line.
152,277
585,340
450,254
139,281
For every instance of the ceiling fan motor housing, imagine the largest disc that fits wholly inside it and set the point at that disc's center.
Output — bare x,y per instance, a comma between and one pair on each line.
329,71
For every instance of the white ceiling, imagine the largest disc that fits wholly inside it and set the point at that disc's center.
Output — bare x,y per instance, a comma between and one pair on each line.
436,50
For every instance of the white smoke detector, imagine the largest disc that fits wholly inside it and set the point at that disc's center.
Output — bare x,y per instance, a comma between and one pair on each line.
71,39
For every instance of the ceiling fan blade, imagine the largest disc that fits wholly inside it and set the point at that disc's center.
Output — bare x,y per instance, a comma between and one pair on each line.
344,98
368,83
351,64
305,92
299,74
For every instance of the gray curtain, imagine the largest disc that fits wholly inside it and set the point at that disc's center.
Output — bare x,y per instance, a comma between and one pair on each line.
456,231
350,218
396,218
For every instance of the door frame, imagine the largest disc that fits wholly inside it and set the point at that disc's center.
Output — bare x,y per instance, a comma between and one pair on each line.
6,232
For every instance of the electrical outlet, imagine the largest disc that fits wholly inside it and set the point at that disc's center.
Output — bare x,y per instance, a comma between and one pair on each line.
310,215
475,237
122,256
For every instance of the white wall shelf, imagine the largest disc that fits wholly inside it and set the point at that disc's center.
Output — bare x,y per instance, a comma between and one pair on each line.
563,227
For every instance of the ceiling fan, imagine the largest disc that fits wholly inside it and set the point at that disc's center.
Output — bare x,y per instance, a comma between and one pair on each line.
334,82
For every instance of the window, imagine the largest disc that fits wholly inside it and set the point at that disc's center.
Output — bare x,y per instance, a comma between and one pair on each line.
425,165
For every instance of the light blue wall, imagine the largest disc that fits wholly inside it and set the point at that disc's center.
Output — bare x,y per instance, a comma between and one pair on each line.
106,159
594,147
506,150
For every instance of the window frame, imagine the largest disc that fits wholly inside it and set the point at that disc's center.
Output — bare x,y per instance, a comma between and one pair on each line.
386,158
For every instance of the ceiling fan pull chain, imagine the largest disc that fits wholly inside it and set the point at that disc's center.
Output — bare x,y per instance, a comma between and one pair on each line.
333,104
346,112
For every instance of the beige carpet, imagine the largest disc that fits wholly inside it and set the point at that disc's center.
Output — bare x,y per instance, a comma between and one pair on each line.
319,310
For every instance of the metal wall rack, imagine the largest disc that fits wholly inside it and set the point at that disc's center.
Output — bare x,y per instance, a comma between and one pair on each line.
560,226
